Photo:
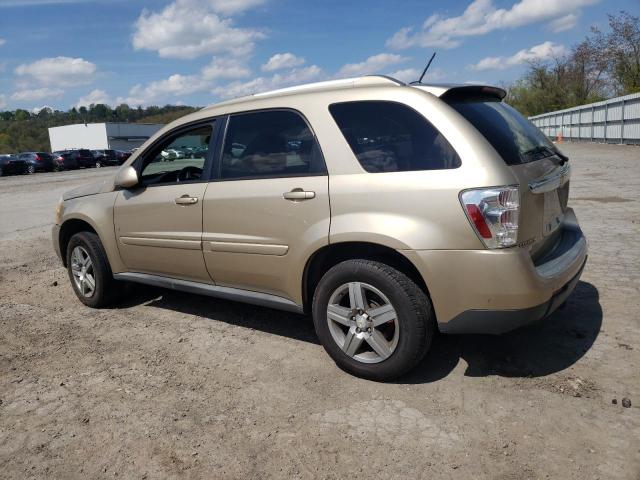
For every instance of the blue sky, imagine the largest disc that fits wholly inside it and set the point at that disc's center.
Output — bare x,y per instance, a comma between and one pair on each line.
64,53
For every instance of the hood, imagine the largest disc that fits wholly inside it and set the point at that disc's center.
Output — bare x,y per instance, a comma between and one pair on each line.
90,189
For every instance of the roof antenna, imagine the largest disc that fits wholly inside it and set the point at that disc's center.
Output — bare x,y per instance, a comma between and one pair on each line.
424,72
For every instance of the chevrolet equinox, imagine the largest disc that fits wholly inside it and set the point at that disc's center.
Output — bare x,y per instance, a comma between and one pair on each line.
387,211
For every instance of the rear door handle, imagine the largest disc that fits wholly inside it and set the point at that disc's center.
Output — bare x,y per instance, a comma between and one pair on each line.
186,200
298,194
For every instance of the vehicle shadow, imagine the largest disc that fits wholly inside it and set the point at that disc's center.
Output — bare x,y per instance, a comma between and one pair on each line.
546,347
549,346
275,322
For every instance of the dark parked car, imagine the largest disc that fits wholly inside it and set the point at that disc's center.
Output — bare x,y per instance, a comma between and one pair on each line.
122,156
105,157
11,165
37,161
83,157
64,160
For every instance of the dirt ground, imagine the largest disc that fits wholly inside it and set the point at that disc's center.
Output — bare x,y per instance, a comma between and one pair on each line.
175,385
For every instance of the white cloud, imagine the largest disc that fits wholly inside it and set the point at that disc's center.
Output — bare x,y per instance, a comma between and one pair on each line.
544,51
372,65
94,97
3,101
188,29
2,41
226,68
282,60
262,84
409,75
59,71
565,23
164,90
36,94
482,17
37,110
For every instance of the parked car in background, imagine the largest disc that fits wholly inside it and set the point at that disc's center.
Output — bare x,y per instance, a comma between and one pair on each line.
387,211
64,160
12,165
105,158
82,157
37,161
170,154
122,156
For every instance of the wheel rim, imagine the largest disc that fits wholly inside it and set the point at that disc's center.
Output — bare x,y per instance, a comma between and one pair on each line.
31,169
363,322
83,273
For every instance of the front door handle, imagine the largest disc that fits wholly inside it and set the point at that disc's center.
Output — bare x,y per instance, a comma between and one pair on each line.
298,194
186,200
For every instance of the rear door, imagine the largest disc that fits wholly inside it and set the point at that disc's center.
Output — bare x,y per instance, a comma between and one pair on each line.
541,169
159,223
268,208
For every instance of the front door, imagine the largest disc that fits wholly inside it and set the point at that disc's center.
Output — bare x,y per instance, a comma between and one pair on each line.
159,223
268,208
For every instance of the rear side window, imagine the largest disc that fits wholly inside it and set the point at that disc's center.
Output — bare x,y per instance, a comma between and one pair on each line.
276,143
515,138
391,137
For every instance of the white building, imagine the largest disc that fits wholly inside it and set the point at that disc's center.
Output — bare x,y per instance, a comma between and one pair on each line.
100,136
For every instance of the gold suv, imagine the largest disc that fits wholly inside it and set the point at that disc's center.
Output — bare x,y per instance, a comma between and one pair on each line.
385,210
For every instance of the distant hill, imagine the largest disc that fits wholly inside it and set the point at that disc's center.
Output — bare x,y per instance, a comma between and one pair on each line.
22,130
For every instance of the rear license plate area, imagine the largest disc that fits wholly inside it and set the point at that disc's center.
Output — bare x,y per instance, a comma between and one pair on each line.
552,217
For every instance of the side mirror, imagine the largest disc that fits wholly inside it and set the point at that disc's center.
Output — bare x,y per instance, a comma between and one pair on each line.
126,177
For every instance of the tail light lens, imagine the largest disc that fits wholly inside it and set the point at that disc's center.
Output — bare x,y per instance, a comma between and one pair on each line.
38,158
493,213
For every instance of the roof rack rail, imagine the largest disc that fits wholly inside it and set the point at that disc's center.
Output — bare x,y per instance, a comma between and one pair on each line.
364,81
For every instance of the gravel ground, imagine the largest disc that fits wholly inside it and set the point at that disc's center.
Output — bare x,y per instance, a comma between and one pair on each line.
176,385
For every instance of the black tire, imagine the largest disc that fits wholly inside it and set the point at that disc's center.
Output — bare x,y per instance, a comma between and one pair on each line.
1,172
107,290
414,315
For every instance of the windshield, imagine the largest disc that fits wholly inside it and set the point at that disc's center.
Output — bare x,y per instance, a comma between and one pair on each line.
515,138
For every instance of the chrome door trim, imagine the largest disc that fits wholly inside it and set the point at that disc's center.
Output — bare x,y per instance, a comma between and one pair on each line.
226,293
551,181
245,247
181,244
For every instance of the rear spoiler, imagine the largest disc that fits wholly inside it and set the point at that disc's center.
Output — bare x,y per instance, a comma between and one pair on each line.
473,91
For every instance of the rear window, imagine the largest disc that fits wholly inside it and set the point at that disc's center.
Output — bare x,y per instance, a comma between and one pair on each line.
515,138
391,137
85,153
45,155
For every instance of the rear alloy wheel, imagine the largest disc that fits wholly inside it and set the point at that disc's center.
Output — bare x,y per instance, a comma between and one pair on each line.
98,164
372,319
31,169
89,271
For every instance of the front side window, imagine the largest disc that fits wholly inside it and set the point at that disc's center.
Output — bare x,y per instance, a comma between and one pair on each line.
267,144
391,137
180,158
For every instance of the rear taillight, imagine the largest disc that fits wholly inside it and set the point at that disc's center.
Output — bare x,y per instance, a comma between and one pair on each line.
38,158
493,213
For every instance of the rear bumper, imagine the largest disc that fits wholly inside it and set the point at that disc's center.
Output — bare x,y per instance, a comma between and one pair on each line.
495,291
14,168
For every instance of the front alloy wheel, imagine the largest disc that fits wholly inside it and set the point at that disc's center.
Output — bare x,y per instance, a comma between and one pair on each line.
82,270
